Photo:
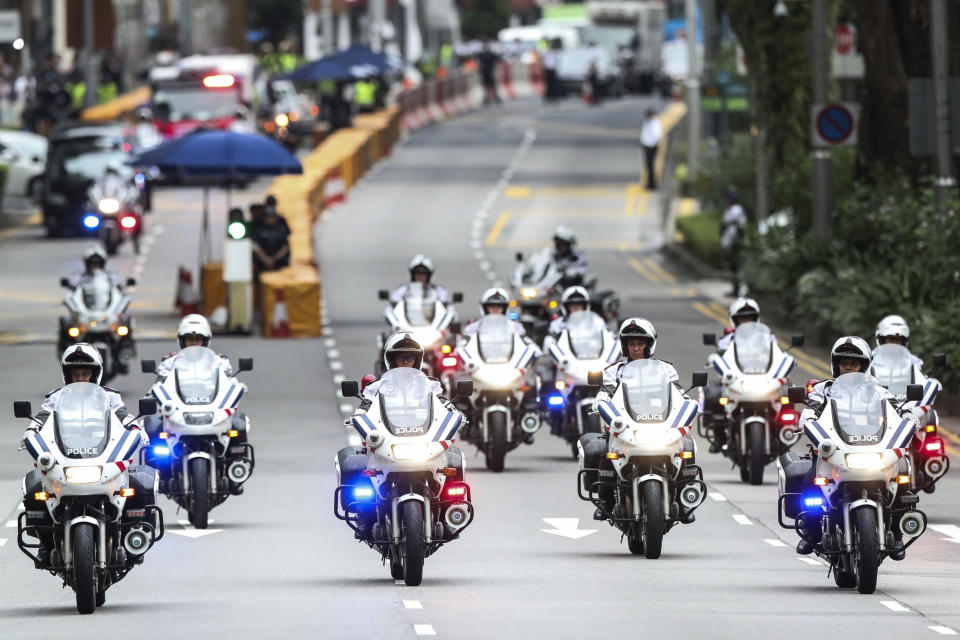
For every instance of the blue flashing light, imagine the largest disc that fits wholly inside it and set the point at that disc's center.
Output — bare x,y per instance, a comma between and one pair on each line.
555,400
91,221
813,501
513,315
161,450
363,493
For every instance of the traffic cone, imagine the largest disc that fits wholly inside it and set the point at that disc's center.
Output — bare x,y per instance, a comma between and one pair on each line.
281,320
334,188
186,296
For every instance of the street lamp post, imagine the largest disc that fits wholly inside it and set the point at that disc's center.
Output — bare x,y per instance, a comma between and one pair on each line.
822,158
945,181
693,89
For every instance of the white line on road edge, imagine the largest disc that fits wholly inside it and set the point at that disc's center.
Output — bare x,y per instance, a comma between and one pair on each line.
424,630
336,365
741,519
3,541
566,527
944,631
11,524
412,604
952,532
812,561
893,605
719,497
337,379
333,353
347,409
330,342
20,506
774,542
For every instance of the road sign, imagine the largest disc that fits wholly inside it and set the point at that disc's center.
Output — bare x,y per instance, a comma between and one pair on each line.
843,39
9,26
834,124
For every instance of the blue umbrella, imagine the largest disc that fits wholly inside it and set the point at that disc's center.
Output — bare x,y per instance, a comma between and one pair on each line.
323,69
363,56
219,153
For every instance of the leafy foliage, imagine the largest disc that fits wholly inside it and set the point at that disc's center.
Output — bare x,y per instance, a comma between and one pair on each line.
701,235
484,18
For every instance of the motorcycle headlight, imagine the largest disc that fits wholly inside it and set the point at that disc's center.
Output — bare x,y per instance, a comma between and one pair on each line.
83,475
865,461
412,451
198,417
108,205
426,337
499,376
528,292
759,384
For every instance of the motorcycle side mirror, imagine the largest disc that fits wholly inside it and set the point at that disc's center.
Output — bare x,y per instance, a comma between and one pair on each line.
914,392
457,297
709,339
595,378
245,364
64,283
796,395
519,257
147,406
350,389
796,340
464,388
939,360
22,409
131,282
148,366
383,294
699,379
455,327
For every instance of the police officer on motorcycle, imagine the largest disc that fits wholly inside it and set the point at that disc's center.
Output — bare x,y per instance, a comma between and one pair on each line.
494,302
94,259
569,260
893,329
572,300
194,331
421,270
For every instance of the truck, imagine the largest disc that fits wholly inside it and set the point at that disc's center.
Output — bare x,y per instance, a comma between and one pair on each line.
636,29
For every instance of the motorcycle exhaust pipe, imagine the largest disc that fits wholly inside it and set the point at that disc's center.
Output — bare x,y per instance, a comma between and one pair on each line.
934,467
691,496
239,471
789,437
137,541
457,517
530,423
912,524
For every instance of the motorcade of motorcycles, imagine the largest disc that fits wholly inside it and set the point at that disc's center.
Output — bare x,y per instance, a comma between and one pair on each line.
643,478
859,502
201,453
99,315
585,345
496,359
86,498
115,209
760,420
403,492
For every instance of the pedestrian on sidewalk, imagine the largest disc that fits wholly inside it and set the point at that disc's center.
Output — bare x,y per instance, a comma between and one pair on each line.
732,229
550,57
650,136
488,60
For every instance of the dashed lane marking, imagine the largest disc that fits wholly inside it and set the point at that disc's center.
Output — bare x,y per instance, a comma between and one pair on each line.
893,605
346,408
336,365
497,228
775,542
399,583
715,495
944,631
710,313
11,524
412,604
424,630
333,353
338,378
3,541
330,342
812,561
660,271
741,519
640,268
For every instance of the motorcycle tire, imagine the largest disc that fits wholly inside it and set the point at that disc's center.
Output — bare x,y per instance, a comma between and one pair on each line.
591,423
755,456
200,492
843,579
744,470
867,549
497,447
635,540
413,543
101,597
396,564
85,567
652,521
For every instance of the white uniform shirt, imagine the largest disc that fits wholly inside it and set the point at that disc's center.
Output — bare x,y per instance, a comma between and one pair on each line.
471,329
165,367
733,223
652,132
401,291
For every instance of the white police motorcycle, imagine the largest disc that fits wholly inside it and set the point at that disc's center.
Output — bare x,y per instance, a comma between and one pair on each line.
201,451
403,492
761,422
427,320
496,358
859,499
99,522
585,345
643,478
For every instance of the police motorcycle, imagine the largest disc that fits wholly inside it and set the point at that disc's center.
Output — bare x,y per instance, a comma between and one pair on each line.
496,359
99,315
201,452
643,479
115,209
580,349
760,419
537,284
430,322
859,497
894,367
96,509
403,492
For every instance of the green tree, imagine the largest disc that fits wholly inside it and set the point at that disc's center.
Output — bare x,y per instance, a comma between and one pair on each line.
484,18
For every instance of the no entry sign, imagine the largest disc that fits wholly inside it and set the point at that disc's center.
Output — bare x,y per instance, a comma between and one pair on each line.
834,124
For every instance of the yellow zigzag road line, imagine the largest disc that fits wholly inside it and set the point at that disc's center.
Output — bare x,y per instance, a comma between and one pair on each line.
642,270
663,273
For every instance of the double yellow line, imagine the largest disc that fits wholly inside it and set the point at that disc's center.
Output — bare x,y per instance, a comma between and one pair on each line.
652,271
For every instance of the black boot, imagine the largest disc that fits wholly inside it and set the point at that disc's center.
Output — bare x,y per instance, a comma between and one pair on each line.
805,547
898,552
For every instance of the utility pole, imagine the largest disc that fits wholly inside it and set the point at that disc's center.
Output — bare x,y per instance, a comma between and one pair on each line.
945,181
326,25
377,15
693,89
90,72
822,158
185,25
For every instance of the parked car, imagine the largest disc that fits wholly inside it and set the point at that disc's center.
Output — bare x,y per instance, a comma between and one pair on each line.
24,154
573,65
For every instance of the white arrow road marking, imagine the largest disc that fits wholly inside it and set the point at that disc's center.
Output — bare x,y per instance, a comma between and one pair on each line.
3,541
952,532
893,605
719,497
774,542
189,532
424,630
812,561
19,506
566,527
399,583
412,604
186,523
11,524
741,519
944,631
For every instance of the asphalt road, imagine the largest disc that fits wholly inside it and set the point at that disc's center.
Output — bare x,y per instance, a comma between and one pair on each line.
470,193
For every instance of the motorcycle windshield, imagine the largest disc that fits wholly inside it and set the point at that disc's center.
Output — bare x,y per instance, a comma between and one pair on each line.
420,304
406,402
495,339
97,291
646,390
536,268
859,410
82,420
585,334
197,371
753,347
892,365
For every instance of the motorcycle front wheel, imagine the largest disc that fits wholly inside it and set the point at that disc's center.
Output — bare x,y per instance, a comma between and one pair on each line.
867,549
200,492
413,543
497,447
756,455
85,567
652,520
